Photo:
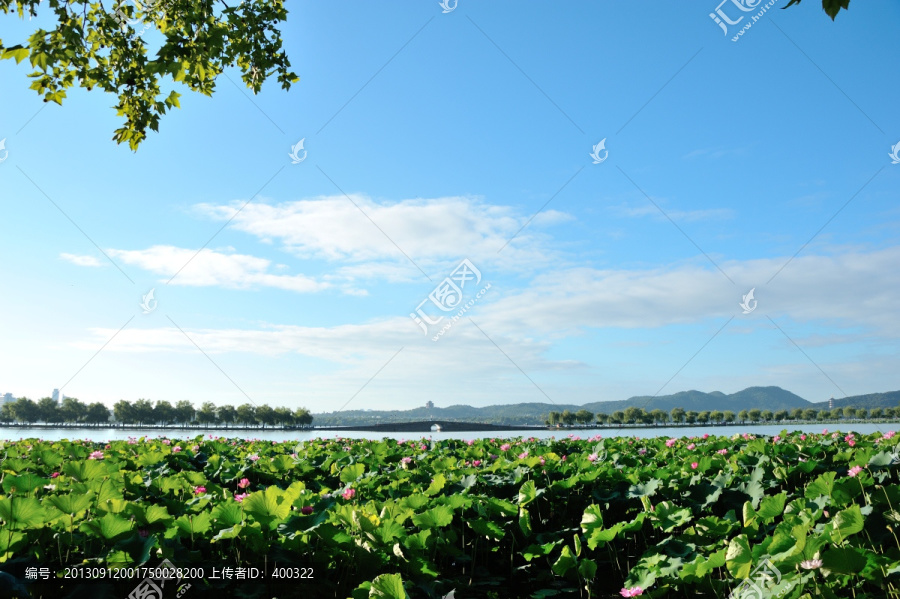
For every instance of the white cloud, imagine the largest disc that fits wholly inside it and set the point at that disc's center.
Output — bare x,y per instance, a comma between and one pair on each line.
84,260
213,268
432,233
649,209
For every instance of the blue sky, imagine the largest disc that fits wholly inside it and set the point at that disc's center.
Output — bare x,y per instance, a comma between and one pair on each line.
433,138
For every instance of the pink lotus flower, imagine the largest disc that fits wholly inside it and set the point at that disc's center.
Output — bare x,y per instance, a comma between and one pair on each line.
592,457
199,490
176,449
563,459
632,592
722,451
523,455
691,446
889,435
54,475
96,455
253,457
244,483
854,471
349,493
706,435
306,510
776,438
406,460
240,497
803,437
694,465
811,564
108,446
505,447
642,451
166,442
423,447
851,442
669,443
470,442
824,431
195,448
543,461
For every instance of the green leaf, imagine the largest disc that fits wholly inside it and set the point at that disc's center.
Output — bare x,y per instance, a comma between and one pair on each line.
592,518
388,586
844,560
436,517
414,502
587,568
525,521
644,489
739,558
847,522
268,507
18,53
821,486
436,485
487,528
773,506
72,502
24,483
21,513
528,493
110,527
227,513
193,523
352,473
84,471
565,562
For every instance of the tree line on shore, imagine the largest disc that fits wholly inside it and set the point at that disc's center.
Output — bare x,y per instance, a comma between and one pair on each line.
145,412
634,415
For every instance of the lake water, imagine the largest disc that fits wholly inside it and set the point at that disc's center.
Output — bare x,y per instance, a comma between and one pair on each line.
108,434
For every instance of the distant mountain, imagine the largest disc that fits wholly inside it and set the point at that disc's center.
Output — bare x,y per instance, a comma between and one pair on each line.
762,398
872,400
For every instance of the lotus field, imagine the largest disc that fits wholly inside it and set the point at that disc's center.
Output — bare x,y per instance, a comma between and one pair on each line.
795,515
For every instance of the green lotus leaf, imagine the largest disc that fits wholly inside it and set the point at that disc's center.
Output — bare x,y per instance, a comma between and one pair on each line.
72,503
436,517
388,586
21,513
110,527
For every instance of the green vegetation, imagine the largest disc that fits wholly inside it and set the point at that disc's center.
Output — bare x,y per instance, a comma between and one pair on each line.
490,518
145,412
96,46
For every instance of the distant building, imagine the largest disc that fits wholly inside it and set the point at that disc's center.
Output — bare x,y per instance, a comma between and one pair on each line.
8,398
55,395
429,404
831,404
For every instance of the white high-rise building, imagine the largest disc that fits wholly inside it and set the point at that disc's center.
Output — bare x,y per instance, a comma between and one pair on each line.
55,395
8,398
